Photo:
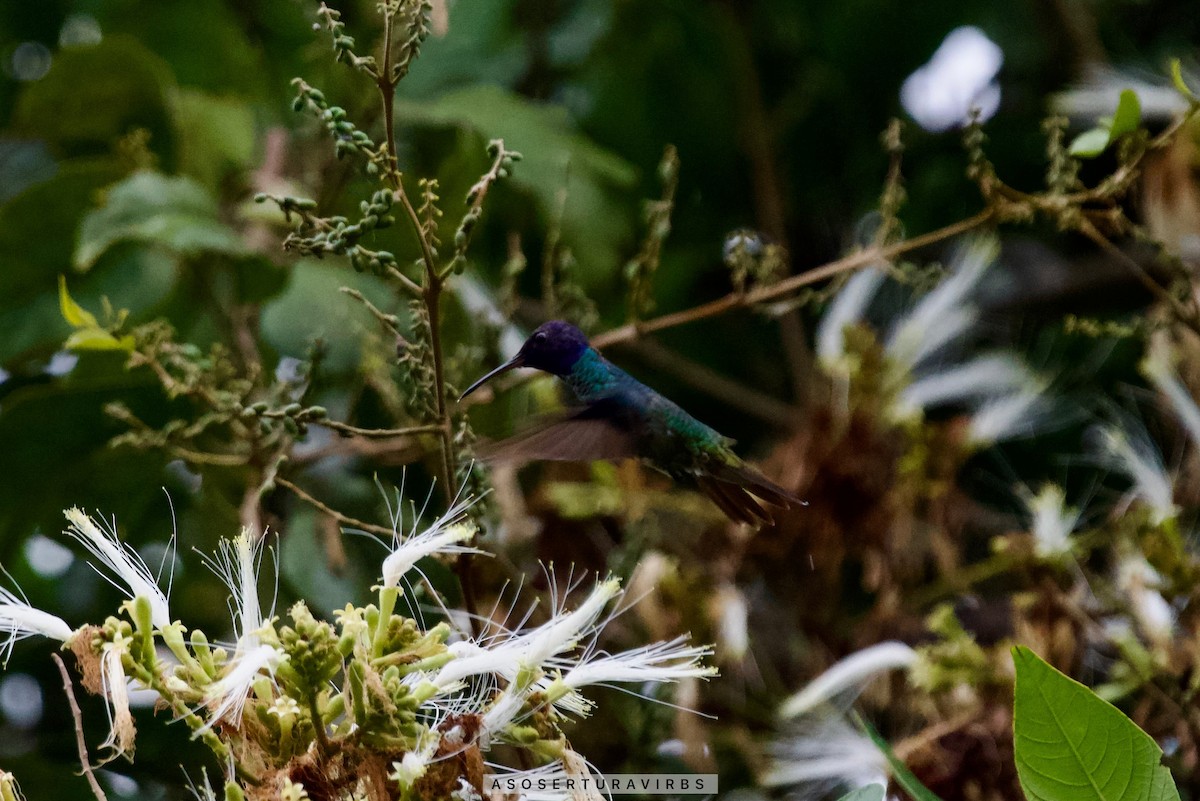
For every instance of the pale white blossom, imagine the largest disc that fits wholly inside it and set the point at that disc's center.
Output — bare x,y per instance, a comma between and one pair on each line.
237,563
847,308
444,536
1158,368
823,755
412,766
943,315
18,620
1128,450
849,674
121,560
116,689
1051,521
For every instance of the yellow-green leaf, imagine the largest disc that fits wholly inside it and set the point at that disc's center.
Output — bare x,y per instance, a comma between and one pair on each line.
1180,84
95,338
72,312
1127,116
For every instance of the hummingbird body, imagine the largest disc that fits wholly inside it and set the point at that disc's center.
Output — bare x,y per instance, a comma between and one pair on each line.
621,417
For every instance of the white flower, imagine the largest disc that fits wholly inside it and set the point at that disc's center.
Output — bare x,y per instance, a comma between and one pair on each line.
507,654
442,537
730,615
1018,414
984,376
116,688
237,564
659,662
1140,582
826,754
943,315
847,308
1157,367
851,673
409,770
19,620
121,560
1128,450
1051,521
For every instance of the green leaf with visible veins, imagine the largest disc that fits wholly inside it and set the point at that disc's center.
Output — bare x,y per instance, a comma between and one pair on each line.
1073,746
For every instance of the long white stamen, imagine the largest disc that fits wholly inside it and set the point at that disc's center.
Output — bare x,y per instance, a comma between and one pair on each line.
847,308
121,560
116,687
853,672
1129,451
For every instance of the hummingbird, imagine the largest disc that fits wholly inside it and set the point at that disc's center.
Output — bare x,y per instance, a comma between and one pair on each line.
619,417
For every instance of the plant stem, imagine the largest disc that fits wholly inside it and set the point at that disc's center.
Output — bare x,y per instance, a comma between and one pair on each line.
782,289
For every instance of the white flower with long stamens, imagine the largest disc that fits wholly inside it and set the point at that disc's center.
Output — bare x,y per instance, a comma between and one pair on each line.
1007,417
237,564
116,688
19,620
849,674
985,376
943,315
659,662
1157,367
505,657
1128,450
826,755
443,537
122,560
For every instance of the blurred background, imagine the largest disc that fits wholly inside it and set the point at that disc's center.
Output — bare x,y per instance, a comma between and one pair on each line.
134,136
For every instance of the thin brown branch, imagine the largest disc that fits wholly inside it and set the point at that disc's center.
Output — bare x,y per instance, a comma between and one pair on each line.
80,742
787,286
345,520
378,433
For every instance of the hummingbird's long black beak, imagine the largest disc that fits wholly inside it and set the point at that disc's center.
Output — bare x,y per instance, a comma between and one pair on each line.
515,361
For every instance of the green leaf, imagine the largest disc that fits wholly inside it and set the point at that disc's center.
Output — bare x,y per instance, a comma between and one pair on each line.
97,339
1127,116
1089,144
174,213
1072,746
289,325
216,136
72,312
871,792
1180,84
900,772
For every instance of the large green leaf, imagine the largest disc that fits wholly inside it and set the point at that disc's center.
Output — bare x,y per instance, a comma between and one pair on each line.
1073,746
174,213
216,135
312,307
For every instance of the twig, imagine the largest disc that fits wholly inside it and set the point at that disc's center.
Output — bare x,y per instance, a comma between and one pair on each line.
345,520
80,743
378,433
781,289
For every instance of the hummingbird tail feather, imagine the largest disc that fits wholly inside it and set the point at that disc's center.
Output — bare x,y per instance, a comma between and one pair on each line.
755,483
734,501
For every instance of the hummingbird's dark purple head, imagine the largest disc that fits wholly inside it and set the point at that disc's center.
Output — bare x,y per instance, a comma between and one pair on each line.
554,347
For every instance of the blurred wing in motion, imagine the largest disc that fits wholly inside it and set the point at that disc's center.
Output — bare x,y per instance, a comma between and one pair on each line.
587,436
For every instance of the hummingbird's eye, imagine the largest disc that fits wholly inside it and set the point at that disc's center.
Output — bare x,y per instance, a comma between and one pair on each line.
539,337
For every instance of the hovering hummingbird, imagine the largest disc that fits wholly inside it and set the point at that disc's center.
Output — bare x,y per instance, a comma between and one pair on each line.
621,418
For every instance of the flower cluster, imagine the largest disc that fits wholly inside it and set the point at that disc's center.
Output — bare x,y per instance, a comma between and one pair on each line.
371,705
